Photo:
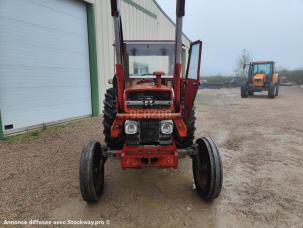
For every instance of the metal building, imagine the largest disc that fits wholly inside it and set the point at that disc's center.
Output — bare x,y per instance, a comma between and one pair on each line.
56,56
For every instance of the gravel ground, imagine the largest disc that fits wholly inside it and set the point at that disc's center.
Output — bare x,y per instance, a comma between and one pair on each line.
261,142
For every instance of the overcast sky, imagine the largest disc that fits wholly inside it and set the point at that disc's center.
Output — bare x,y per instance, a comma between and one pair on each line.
268,29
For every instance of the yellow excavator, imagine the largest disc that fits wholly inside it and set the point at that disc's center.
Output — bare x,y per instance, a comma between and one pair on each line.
261,77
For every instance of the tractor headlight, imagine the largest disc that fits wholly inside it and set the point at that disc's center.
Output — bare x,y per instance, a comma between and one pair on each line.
131,127
167,127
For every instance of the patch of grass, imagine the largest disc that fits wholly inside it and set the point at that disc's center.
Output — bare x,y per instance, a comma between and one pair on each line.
24,137
52,130
39,133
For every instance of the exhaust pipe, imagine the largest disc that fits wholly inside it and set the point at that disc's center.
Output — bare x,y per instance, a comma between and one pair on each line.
119,51
181,8
114,7
180,12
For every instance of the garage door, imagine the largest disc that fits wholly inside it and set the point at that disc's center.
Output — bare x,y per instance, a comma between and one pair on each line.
44,62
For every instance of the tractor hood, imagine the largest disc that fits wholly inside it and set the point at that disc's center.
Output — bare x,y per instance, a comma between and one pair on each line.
148,97
259,76
258,80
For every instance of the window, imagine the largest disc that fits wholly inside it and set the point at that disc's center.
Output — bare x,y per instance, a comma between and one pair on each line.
144,59
194,62
264,68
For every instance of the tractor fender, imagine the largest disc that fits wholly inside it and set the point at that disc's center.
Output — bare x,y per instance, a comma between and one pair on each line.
180,126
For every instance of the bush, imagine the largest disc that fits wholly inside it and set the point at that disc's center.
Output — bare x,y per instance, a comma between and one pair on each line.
221,79
293,75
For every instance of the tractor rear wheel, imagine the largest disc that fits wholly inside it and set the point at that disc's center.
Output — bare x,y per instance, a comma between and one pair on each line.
207,169
92,172
244,91
184,142
109,115
271,91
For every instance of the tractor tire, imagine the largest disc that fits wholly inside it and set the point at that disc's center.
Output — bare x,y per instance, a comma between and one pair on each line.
277,90
184,142
271,91
244,91
92,172
109,115
207,169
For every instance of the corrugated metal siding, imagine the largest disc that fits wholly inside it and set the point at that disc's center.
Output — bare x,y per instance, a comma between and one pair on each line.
44,62
141,19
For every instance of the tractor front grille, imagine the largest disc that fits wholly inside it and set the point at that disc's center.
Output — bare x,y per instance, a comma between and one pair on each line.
149,134
149,131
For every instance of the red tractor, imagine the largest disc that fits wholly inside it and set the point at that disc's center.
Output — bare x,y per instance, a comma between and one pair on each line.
149,114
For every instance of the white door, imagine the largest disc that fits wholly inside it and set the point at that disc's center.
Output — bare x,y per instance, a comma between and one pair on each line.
44,62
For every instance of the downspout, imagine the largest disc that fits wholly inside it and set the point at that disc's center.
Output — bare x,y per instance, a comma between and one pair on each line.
93,64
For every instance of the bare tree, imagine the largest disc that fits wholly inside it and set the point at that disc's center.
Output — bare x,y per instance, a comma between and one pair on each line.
244,58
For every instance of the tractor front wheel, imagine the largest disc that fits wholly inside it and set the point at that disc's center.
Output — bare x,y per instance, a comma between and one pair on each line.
92,172
207,169
244,91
